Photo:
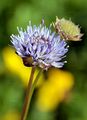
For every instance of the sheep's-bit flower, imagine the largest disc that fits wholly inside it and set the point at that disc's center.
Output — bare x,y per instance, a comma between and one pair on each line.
67,29
39,46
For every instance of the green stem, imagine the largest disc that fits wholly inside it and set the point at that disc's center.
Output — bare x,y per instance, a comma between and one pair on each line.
36,80
28,96
29,93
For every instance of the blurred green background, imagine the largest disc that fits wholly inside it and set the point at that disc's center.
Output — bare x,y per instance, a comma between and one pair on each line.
62,98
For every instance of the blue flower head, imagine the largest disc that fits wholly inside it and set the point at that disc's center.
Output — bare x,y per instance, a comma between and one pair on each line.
39,46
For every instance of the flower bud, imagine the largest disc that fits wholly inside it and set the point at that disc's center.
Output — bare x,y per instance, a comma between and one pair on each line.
67,29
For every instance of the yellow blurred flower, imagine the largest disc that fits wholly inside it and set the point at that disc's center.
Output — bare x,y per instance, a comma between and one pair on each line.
54,90
11,115
14,64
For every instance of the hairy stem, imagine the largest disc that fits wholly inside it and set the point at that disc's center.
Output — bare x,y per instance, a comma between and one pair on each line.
28,96
36,80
